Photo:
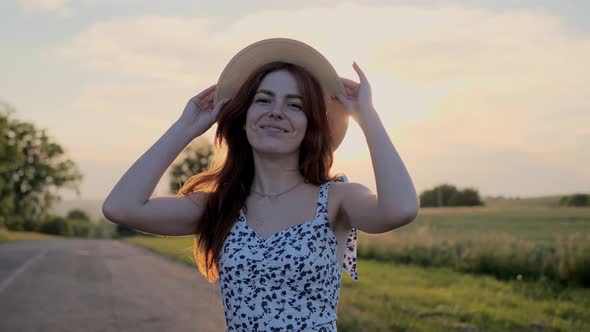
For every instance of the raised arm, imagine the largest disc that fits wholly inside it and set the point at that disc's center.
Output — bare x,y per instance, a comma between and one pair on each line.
396,203
130,204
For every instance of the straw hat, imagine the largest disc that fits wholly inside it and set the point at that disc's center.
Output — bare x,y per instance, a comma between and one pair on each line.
295,52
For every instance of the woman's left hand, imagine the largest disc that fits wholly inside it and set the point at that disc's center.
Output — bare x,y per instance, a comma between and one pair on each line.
358,100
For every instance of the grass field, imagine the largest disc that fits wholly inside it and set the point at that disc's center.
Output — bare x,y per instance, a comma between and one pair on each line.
540,225
534,242
408,297
396,297
392,297
6,236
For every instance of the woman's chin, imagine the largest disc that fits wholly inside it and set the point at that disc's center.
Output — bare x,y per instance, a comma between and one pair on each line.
273,148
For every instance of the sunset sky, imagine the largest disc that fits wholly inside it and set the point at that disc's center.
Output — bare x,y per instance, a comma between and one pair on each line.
491,95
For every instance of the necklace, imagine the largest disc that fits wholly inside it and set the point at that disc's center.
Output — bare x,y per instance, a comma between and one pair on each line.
276,195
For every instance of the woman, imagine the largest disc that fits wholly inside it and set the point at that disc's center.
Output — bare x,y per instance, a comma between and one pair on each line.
270,223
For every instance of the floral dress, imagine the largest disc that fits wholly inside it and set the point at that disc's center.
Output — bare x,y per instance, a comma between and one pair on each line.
289,281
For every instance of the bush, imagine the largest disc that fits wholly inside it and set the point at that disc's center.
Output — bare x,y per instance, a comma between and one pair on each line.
82,228
465,197
104,228
15,223
20,223
77,214
122,231
57,226
500,255
30,224
575,200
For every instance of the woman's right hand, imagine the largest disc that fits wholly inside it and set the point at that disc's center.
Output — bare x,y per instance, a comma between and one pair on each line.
200,114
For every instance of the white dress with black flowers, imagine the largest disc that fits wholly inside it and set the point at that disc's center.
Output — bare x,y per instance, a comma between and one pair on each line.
289,281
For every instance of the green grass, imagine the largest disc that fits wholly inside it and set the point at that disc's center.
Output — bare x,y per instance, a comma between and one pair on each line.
538,224
178,248
393,297
541,201
6,236
501,237
534,242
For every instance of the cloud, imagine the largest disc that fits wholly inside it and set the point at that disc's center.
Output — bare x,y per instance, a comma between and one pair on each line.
138,106
450,83
58,7
65,8
163,48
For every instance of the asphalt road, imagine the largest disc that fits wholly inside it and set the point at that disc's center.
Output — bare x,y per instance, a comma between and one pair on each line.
102,285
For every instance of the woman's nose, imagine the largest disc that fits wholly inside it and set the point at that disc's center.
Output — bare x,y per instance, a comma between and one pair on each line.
277,110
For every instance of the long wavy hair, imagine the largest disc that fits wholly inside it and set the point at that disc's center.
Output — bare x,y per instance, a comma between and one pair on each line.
229,183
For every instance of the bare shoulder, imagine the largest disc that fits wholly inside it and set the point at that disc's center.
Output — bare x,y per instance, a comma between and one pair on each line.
339,191
359,208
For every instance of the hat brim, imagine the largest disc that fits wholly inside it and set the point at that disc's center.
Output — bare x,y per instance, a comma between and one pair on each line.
292,51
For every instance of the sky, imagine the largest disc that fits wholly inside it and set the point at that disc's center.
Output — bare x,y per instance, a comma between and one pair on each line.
488,95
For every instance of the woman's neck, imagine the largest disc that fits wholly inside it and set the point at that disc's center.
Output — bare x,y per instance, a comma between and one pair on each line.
275,175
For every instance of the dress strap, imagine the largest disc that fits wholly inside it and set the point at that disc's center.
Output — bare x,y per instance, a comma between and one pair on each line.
349,261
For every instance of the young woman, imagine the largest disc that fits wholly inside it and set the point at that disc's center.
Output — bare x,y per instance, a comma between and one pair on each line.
270,223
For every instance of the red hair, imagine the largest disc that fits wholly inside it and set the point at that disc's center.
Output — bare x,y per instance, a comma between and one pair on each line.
229,184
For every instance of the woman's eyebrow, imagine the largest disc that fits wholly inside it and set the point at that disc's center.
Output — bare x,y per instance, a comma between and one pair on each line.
273,94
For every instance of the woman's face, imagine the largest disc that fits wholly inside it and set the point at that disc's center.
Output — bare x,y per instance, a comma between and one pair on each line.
277,102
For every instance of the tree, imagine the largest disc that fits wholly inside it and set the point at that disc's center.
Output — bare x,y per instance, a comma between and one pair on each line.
81,224
57,226
8,153
31,165
195,158
577,199
77,214
465,197
449,195
122,231
439,196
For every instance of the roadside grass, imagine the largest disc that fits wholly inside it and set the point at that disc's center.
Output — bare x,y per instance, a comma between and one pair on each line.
6,236
400,297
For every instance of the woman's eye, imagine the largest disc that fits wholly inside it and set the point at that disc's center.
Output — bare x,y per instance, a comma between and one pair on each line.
267,101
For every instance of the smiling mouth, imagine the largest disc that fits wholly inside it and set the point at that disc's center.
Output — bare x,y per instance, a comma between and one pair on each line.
274,129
